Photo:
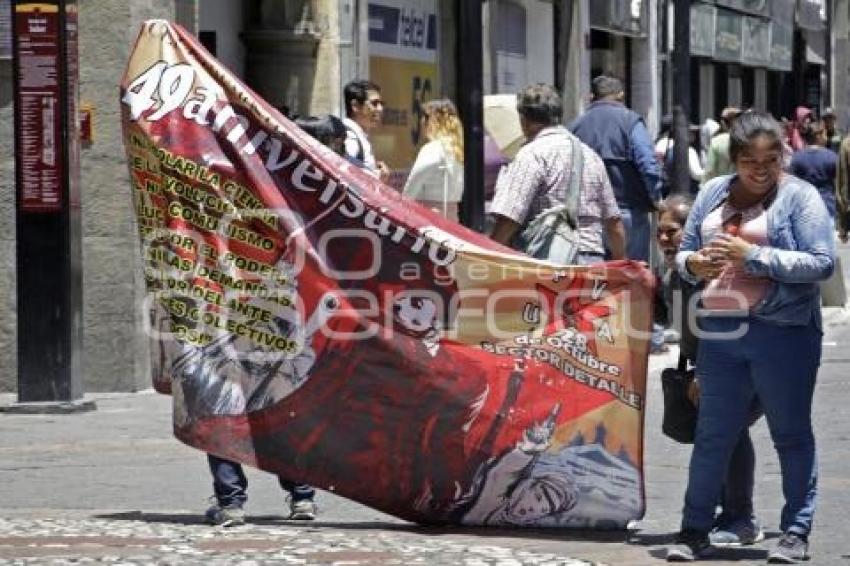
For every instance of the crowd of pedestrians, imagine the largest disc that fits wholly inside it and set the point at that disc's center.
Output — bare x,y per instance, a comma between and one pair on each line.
742,250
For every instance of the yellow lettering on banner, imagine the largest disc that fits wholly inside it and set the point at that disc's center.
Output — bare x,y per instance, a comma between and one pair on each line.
225,280
180,308
249,265
246,236
149,214
187,167
198,195
162,256
190,335
251,311
197,219
137,141
256,335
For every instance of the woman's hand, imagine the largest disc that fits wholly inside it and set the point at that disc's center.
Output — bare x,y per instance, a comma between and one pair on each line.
729,248
693,392
704,266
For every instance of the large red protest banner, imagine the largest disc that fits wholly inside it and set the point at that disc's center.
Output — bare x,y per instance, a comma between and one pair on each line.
310,321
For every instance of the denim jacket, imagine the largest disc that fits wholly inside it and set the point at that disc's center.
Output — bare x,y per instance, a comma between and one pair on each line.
801,251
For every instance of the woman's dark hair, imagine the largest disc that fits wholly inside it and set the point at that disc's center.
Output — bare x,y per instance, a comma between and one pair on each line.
324,128
750,125
357,91
540,103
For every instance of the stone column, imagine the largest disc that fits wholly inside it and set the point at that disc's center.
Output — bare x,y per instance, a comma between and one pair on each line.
575,56
292,57
840,72
646,91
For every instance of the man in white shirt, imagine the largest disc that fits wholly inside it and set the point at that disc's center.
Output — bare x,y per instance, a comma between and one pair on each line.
363,111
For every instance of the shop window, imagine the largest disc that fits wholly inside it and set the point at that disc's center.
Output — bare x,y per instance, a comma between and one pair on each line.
510,42
510,29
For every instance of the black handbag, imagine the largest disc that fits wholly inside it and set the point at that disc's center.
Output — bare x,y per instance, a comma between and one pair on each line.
680,415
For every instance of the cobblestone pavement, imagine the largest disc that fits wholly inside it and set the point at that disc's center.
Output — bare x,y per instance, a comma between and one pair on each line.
147,540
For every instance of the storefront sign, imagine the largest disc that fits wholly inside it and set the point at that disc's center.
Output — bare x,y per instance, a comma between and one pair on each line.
811,15
756,48
729,43
782,34
703,25
619,16
403,62
756,7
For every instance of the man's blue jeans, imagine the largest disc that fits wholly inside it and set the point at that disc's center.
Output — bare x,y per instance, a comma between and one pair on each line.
231,486
778,364
637,226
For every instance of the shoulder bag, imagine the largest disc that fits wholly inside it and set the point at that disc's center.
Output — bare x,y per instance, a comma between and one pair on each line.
553,234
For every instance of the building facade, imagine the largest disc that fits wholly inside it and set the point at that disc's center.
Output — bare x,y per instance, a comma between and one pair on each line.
298,54
772,55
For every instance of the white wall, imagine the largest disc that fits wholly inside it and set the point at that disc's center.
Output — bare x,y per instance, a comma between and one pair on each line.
225,17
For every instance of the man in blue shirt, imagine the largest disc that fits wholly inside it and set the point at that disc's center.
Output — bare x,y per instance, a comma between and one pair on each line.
620,137
816,164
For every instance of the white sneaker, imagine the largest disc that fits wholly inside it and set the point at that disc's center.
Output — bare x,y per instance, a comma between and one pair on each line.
302,510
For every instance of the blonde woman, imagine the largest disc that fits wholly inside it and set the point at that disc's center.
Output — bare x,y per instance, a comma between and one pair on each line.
436,179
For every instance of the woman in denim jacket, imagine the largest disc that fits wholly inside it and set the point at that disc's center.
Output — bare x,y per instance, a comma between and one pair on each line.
761,241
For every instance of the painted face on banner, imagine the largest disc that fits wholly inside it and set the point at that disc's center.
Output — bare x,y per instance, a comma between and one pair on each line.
415,313
539,497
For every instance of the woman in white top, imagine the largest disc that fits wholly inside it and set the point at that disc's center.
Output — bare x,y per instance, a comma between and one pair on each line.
436,179
664,148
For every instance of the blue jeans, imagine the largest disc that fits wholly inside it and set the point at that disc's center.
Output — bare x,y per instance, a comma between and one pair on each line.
637,226
231,486
736,499
777,364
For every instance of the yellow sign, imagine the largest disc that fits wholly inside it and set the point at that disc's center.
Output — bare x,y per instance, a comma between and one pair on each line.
405,85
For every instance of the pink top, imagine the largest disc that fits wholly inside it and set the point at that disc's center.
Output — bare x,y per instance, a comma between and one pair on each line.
735,289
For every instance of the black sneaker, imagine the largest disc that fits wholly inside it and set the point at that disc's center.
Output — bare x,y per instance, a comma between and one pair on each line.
790,549
690,545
